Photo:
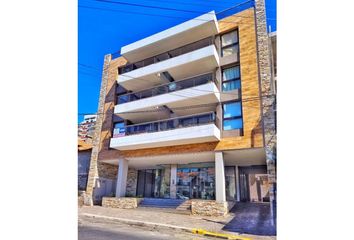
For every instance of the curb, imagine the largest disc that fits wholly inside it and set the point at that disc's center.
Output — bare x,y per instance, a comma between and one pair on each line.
139,223
169,226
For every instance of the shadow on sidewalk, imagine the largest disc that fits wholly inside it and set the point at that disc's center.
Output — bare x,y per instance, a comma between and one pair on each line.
252,218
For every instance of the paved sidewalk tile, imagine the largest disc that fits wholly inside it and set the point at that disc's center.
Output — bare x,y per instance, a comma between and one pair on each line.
215,224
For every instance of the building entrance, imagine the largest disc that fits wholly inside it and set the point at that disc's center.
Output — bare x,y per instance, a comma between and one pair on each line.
254,185
153,183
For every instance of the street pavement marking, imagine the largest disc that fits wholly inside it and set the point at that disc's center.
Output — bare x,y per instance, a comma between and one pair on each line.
218,235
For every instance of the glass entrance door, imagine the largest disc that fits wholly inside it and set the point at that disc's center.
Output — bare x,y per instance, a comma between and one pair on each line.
149,183
230,183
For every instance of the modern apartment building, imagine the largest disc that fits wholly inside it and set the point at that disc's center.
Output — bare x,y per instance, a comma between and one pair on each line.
86,128
181,115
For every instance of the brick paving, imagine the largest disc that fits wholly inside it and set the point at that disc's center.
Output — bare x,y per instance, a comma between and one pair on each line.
160,216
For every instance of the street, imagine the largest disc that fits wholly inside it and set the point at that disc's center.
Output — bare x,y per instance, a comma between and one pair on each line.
98,229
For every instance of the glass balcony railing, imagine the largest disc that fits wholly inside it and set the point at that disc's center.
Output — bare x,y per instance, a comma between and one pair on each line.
166,88
167,124
167,55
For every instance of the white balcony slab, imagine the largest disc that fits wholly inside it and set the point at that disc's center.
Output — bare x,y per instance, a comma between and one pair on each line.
190,31
205,93
199,61
179,136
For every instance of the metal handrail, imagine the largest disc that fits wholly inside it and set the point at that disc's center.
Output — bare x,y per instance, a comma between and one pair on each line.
167,88
167,55
169,124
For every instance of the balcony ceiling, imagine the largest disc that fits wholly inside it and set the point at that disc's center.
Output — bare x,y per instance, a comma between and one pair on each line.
245,157
193,30
155,161
142,117
242,157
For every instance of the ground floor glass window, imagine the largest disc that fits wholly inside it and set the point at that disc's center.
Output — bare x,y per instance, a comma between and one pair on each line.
196,183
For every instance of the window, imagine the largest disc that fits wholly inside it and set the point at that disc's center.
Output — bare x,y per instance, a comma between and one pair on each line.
232,116
231,79
229,43
120,94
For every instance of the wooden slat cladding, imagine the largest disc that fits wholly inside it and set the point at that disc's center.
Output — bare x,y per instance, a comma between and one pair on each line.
253,136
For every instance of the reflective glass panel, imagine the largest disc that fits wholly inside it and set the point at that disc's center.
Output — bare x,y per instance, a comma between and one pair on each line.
229,50
229,38
233,124
232,85
232,109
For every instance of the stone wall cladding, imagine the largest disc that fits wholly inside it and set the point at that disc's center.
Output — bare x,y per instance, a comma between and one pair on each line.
132,180
268,97
93,172
105,110
106,170
209,208
126,202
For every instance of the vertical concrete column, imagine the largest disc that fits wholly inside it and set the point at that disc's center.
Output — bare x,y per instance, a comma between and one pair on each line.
220,177
238,194
173,187
122,178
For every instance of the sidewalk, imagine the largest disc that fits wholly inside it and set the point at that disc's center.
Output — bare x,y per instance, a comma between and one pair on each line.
160,218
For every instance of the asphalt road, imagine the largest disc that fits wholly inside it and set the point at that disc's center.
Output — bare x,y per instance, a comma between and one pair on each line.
98,229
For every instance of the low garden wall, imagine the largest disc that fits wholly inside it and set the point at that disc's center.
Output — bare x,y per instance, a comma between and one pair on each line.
122,202
209,208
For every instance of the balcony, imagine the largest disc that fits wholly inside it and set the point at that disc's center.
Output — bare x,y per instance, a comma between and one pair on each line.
183,93
174,131
192,59
190,31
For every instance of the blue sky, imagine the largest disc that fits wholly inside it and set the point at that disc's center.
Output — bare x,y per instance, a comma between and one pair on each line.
105,27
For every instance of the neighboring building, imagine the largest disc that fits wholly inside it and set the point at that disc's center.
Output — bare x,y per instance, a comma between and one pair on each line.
186,114
86,128
84,156
273,50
